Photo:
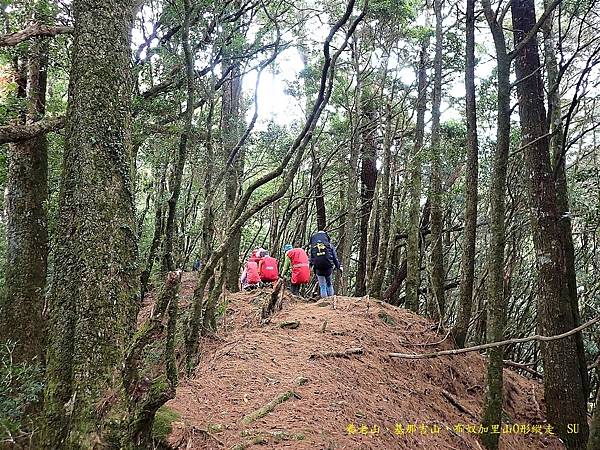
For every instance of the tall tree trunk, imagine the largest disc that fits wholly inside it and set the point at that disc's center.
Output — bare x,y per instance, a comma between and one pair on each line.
157,235
232,92
413,254
351,174
594,440
496,308
274,245
319,196
557,153
563,383
368,177
93,297
386,208
373,236
168,256
471,180
208,214
437,305
26,226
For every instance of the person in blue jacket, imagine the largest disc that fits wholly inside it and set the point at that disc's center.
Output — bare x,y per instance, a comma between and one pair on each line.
323,259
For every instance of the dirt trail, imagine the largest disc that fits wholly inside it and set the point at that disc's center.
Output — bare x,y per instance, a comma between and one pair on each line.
315,400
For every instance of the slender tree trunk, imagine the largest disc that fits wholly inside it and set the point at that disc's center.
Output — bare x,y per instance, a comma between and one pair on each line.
471,180
414,236
373,236
232,92
351,174
156,237
496,308
368,177
274,245
319,197
208,214
594,440
437,306
26,226
563,384
386,209
94,292
168,256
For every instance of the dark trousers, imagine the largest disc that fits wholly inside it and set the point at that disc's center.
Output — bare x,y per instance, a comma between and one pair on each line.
295,289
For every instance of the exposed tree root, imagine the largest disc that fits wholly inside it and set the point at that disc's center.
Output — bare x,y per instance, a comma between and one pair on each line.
275,302
343,354
266,409
457,404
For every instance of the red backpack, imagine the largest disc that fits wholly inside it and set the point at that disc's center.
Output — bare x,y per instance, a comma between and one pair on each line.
267,268
252,273
300,269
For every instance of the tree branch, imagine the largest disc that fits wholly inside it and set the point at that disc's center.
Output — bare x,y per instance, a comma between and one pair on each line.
33,30
16,133
513,54
536,337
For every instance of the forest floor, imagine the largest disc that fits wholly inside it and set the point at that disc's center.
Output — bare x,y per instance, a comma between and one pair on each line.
361,401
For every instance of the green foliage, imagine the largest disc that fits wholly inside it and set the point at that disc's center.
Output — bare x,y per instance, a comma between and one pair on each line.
420,33
162,427
20,391
394,9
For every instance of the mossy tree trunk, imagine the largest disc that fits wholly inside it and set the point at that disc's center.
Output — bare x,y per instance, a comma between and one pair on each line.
159,222
26,225
94,293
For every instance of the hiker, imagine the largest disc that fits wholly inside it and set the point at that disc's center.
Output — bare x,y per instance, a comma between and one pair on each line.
323,259
296,262
256,254
250,278
267,268
197,265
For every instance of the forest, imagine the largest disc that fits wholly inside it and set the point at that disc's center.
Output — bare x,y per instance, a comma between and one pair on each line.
151,150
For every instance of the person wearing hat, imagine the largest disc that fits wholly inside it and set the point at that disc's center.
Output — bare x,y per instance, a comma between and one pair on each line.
296,262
